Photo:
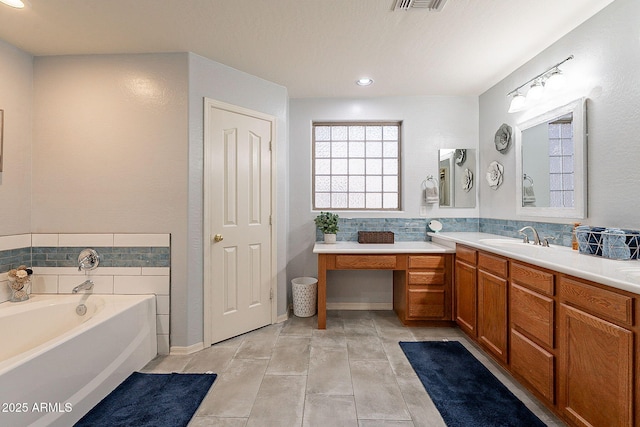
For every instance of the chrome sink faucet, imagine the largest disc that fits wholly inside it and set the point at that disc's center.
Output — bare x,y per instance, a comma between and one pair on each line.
525,238
86,285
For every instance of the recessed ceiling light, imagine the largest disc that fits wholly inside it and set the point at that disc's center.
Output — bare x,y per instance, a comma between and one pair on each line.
13,3
364,82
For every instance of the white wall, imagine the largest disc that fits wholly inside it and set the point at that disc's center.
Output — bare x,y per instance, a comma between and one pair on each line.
605,69
110,150
16,99
429,123
220,82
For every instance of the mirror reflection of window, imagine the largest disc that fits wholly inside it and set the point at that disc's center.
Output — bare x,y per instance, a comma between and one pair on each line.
561,188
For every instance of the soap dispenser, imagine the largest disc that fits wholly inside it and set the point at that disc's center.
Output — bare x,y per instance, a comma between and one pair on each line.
574,238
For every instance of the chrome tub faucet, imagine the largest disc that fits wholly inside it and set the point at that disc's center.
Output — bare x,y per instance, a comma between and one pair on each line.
87,285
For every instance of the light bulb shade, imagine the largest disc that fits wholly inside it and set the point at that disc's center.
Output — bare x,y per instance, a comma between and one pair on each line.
536,90
556,80
18,4
517,102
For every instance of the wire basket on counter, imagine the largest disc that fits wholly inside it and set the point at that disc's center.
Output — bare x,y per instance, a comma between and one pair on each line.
613,243
375,237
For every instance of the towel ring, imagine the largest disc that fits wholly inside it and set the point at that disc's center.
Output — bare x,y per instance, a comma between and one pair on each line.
429,182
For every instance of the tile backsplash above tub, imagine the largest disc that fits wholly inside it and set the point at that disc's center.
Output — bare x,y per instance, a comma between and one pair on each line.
129,264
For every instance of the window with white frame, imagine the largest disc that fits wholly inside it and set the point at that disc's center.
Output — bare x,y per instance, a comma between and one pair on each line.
356,165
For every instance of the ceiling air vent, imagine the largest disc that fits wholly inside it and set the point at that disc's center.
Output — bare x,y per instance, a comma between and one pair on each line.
433,5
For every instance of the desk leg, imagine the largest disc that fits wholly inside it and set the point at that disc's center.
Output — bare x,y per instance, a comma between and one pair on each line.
322,291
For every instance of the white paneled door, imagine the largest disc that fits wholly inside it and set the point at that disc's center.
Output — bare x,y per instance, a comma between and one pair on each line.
238,264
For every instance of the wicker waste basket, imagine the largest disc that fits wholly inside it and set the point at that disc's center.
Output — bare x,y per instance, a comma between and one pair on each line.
305,294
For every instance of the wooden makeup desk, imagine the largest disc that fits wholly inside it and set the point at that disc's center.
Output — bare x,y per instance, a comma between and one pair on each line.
422,276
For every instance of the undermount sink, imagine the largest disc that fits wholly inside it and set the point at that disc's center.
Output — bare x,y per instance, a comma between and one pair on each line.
515,244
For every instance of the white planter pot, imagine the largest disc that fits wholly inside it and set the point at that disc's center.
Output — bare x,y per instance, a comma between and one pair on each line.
329,238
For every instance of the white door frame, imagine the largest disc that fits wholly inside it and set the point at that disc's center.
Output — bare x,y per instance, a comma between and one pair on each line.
208,288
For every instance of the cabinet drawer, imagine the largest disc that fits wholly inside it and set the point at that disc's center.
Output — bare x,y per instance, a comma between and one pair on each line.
466,254
532,313
426,278
600,302
532,278
366,262
426,303
426,261
492,263
534,364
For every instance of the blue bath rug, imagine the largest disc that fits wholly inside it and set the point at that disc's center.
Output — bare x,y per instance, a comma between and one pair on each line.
158,400
463,390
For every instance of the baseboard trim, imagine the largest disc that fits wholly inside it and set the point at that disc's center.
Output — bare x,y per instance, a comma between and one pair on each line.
180,351
282,318
359,306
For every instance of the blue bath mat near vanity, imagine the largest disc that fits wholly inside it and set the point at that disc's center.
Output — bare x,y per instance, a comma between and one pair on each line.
464,391
167,400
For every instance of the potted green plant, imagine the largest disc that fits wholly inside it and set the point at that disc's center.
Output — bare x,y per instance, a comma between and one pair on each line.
327,222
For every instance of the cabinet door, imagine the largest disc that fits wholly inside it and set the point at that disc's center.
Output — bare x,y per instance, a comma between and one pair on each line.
426,303
466,297
492,314
533,364
596,370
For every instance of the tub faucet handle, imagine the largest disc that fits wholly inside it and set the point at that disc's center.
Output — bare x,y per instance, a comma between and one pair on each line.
88,259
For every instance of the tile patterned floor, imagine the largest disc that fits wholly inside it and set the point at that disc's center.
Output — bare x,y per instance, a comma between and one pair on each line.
351,374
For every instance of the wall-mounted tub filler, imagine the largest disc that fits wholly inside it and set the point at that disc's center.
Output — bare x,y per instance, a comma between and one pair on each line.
86,285
88,260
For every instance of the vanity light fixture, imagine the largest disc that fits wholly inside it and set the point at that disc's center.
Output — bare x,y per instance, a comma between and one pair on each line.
551,78
555,80
536,89
364,82
517,102
18,4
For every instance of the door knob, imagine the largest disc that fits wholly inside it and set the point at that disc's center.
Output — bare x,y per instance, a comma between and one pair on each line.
218,238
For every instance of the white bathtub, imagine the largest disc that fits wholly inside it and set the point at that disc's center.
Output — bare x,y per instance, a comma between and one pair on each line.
56,365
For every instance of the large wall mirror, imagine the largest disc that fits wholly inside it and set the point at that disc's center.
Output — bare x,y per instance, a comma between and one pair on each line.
551,163
456,178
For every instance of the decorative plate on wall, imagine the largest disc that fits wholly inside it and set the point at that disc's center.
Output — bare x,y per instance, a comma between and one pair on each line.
503,138
467,180
494,175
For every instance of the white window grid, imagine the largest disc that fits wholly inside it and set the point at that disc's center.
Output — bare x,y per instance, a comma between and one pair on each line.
561,163
356,165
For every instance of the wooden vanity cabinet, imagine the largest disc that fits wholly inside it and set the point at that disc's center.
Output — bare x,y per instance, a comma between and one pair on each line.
596,342
532,328
423,292
466,289
575,344
492,304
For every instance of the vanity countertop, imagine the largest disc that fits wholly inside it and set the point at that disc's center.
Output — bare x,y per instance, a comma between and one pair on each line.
623,275
381,248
